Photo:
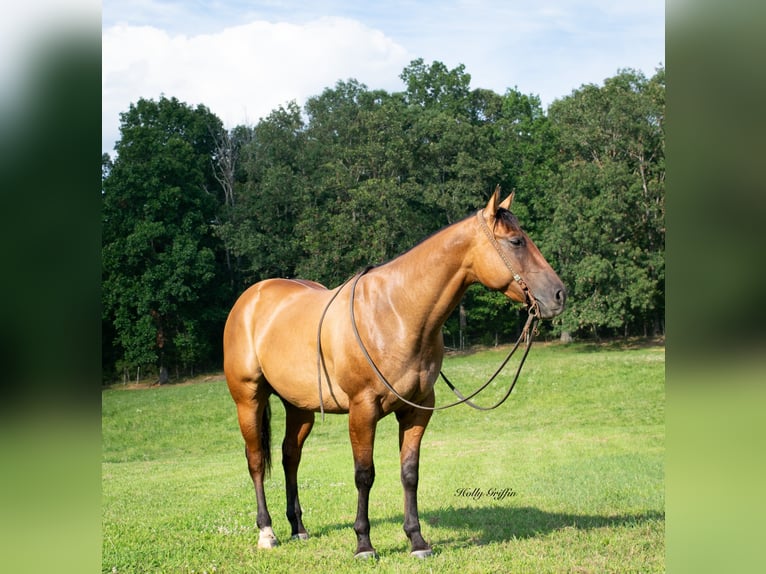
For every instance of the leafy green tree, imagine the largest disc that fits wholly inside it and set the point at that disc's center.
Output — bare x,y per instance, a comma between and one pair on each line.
607,230
456,166
465,142
162,268
257,228
437,88
228,168
515,151
362,206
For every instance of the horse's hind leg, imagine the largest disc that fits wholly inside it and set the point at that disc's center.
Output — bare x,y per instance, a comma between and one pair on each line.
297,428
254,414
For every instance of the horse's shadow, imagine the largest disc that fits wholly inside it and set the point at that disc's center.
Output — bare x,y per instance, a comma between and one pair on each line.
502,523
485,525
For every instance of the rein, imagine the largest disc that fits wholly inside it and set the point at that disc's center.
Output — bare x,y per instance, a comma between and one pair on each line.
527,333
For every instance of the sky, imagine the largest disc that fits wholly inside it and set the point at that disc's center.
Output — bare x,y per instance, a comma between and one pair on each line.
245,59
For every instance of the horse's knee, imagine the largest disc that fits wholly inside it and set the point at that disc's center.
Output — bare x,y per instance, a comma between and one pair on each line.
364,475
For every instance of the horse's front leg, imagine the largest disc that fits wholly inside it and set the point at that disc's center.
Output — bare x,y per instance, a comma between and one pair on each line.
412,426
362,422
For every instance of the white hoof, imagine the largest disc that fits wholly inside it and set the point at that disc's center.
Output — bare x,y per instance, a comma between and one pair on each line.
267,539
301,536
421,553
366,554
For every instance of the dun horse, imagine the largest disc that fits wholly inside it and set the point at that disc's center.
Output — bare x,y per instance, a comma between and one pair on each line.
295,339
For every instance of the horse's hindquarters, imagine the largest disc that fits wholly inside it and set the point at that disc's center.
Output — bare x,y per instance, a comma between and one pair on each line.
271,335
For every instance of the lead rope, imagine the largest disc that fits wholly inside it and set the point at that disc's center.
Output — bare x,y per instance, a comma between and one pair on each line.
528,332
320,356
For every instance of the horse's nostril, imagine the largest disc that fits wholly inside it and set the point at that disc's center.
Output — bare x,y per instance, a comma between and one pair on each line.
560,296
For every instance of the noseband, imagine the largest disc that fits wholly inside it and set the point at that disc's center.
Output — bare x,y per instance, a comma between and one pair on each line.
527,333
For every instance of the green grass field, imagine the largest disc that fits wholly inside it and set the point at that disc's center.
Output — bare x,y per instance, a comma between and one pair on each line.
566,476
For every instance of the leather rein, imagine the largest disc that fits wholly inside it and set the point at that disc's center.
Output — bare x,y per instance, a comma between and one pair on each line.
527,334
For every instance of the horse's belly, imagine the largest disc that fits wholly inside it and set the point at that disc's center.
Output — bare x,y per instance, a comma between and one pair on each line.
296,380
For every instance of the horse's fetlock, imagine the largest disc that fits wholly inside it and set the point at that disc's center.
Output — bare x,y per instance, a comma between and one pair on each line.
411,526
362,527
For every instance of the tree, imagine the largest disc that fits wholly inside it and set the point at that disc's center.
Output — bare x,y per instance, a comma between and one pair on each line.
361,207
515,150
228,169
161,263
448,140
436,87
257,228
607,232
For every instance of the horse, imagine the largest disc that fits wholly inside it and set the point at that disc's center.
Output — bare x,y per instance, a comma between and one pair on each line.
293,338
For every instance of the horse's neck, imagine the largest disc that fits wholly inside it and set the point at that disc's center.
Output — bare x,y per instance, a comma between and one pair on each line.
426,283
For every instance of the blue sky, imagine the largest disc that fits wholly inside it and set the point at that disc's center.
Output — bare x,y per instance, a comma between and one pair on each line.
245,59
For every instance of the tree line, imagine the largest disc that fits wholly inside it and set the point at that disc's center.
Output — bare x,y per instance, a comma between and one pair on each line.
194,213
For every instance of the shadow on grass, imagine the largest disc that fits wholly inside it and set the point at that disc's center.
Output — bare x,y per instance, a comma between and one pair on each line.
479,526
629,344
498,524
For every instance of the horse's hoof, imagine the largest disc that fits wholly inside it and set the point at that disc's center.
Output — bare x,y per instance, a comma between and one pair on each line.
301,536
365,554
267,539
421,553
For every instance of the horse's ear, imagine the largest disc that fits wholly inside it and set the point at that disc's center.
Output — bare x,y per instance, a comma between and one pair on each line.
493,204
506,204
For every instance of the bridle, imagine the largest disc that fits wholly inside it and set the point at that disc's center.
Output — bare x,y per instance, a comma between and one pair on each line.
530,301
527,333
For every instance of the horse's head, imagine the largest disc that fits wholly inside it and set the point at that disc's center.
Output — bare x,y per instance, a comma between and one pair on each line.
506,260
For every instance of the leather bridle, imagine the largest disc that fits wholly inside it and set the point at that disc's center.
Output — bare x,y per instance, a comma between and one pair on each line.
530,301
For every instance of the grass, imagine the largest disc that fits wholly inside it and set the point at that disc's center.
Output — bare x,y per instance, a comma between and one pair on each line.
578,450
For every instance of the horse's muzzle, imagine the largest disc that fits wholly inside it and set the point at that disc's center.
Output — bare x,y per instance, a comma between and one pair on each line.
552,306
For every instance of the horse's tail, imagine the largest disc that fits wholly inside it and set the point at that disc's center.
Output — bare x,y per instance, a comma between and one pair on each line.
266,438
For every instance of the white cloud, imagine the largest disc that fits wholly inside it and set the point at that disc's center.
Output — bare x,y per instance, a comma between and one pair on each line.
201,52
243,72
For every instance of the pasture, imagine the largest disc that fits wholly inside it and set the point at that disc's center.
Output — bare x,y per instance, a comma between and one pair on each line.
566,476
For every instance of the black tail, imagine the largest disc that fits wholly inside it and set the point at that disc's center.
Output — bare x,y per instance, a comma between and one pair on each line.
266,438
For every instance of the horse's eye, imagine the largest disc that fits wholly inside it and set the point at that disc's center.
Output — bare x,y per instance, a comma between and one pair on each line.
517,241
